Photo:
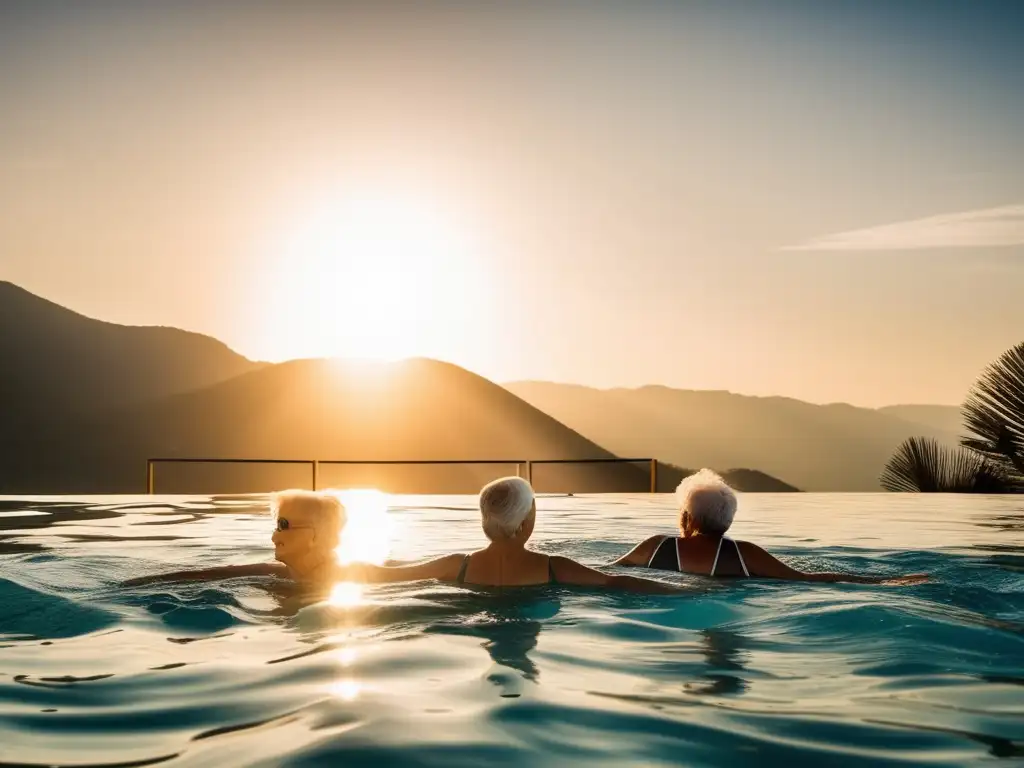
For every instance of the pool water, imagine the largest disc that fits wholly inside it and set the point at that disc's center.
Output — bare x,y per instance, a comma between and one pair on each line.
246,672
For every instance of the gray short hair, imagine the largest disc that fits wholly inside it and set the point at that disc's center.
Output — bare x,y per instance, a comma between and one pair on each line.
709,500
325,508
504,504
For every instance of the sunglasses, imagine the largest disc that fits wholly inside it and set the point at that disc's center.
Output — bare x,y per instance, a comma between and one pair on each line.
284,525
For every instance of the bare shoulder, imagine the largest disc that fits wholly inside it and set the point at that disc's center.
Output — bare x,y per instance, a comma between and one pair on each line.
569,571
642,553
764,564
448,566
749,550
443,568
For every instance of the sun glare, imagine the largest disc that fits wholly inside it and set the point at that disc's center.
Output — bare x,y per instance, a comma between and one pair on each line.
366,537
376,277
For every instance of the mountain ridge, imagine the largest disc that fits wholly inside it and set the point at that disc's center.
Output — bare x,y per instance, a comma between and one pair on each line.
835,447
56,358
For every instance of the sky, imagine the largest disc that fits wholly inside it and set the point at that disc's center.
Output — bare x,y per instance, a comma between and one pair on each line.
818,200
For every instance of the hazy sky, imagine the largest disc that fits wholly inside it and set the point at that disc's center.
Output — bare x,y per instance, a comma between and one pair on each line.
820,200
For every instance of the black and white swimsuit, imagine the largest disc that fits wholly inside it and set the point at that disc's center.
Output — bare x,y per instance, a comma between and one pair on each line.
666,557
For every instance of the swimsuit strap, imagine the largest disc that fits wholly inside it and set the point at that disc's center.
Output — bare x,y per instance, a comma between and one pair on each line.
654,554
740,554
461,578
718,551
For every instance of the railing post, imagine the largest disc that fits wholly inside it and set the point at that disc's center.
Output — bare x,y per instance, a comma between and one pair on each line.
529,472
316,472
149,477
654,475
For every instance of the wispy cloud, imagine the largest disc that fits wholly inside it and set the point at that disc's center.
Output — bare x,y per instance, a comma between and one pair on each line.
988,227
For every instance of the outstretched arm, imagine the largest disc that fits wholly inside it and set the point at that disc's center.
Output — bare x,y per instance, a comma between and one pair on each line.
570,572
764,565
212,574
642,553
445,568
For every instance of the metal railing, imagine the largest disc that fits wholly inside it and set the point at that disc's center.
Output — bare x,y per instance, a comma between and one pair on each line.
315,465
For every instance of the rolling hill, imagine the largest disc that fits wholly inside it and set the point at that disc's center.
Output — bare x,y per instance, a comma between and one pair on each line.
59,364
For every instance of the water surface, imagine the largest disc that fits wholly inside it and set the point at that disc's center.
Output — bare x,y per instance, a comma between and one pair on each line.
244,672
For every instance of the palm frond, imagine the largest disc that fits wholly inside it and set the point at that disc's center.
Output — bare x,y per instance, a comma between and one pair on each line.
922,465
994,412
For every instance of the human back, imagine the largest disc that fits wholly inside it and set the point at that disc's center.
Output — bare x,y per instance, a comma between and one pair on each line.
707,508
508,513
522,568
719,556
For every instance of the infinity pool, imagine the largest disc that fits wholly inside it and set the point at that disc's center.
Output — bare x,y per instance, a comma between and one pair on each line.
245,672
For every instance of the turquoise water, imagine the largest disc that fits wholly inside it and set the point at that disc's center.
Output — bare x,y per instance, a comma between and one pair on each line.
245,673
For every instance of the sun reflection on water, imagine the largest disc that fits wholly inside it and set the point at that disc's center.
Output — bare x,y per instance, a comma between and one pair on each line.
346,594
346,690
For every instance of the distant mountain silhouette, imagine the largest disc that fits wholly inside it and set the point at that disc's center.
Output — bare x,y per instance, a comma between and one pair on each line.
834,447
945,418
57,364
755,480
748,480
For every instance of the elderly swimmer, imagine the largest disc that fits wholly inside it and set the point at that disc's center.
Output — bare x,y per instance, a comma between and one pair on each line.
707,506
307,530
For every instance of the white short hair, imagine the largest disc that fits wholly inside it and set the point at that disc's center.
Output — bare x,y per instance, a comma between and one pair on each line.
709,500
504,504
327,513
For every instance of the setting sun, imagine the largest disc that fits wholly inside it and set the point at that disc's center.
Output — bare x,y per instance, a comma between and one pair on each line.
374,277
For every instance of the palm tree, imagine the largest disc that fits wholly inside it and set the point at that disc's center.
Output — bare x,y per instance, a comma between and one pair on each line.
990,459
921,464
994,413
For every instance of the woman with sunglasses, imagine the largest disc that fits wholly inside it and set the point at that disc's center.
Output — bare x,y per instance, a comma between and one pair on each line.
307,530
